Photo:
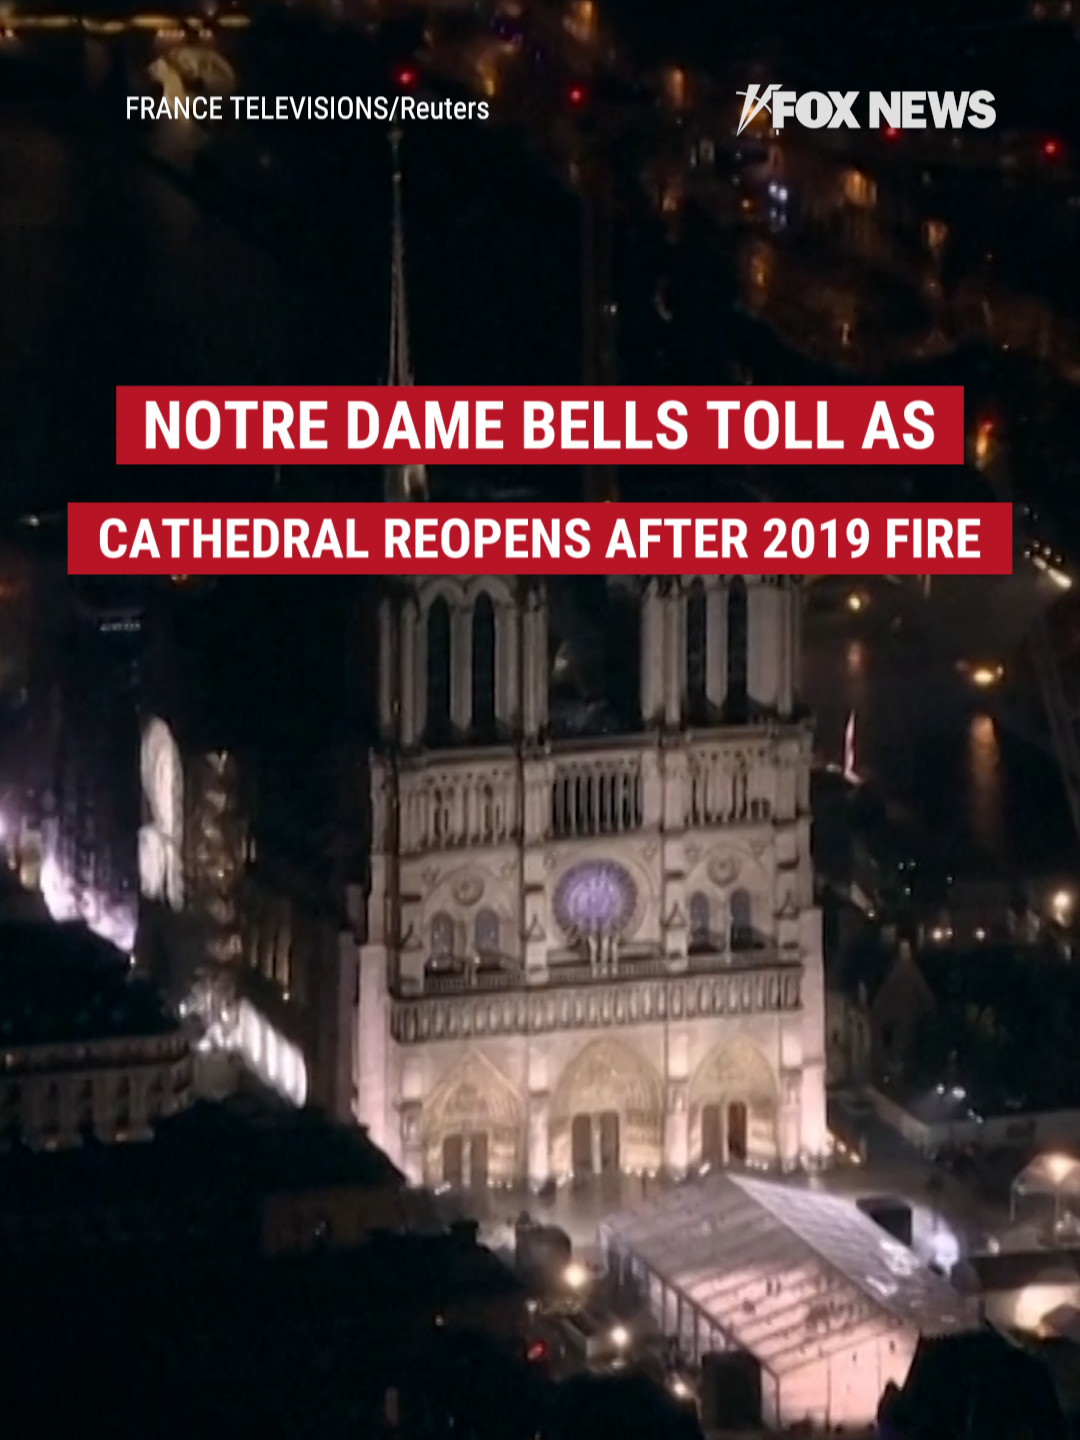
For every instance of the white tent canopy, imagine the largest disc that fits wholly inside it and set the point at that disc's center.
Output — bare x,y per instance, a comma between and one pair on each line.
1051,1174
828,1303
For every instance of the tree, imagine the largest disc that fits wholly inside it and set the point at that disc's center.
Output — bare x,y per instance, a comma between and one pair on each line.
932,1052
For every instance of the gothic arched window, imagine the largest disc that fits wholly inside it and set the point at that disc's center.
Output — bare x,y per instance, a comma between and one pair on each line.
438,670
486,935
697,628
483,666
737,656
487,812
742,920
442,941
700,921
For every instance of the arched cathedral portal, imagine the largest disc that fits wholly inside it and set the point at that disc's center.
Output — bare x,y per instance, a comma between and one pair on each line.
734,1108
607,1114
471,1128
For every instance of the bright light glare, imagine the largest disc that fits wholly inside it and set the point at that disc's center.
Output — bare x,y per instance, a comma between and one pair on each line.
1055,575
65,903
239,1029
57,891
620,1337
1061,906
1035,1302
1058,1167
270,1055
945,1248
576,1276
985,676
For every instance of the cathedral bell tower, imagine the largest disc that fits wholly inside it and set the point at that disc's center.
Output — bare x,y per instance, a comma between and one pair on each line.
462,661
463,702
401,482
719,650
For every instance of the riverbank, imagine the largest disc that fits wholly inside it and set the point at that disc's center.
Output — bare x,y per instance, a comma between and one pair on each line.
972,799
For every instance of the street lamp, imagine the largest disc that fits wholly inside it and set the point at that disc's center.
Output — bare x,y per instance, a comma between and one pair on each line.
620,1338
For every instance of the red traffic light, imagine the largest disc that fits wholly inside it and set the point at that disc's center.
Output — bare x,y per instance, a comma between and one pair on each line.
576,95
537,1351
891,133
406,77
1051,149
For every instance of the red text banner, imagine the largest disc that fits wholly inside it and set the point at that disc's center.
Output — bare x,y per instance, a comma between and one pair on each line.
649,425
535,539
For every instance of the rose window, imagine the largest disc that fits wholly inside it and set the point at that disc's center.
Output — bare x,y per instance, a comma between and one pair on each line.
596,898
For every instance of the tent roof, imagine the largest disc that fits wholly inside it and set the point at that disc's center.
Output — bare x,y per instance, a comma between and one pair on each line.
786,1273
1049,1174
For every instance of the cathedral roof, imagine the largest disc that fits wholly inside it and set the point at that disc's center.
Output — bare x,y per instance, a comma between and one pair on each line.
61,984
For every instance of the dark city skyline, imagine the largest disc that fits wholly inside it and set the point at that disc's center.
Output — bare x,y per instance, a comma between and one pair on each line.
496,1007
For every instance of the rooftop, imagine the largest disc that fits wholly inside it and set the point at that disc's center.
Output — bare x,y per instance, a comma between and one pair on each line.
246,1148
60,984
988,1020
787,1273
232,1298
977,1384
1050,1173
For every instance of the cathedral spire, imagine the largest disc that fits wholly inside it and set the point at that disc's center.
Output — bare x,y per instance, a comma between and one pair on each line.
401,482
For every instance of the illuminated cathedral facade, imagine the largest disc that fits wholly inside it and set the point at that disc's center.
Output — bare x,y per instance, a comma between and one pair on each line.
591,948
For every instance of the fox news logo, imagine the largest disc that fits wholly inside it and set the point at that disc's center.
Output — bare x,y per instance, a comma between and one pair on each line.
894,110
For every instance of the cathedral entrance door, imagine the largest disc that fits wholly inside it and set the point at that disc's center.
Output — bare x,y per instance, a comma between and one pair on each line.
453,1161
581,1145
712,1136
609,1143
478,1162
737,1133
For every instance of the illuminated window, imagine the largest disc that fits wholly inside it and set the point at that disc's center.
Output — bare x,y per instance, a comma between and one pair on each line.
487,812
696,644
935,233
442,940
483,666
742,920
438,670
859,190
737,650
440,816
597,897
486,937
700,921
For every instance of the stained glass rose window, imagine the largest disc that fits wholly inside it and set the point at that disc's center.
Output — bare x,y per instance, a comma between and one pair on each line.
595,898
